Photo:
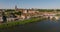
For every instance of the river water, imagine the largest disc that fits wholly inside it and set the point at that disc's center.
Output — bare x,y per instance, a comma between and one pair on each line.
42,26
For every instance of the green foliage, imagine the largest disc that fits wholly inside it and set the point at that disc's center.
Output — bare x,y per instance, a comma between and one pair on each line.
57,14
13,23
9,10
45,10
58,10
18,13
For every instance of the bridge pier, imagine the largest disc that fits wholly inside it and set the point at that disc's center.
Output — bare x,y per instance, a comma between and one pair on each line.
53,17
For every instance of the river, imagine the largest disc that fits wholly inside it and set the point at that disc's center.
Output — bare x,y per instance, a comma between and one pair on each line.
42,26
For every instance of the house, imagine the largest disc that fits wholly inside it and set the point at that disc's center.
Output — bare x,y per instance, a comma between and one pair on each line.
11,17
25,11
1,20
25,16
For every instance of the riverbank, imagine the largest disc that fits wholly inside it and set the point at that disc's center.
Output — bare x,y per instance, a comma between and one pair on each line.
10,24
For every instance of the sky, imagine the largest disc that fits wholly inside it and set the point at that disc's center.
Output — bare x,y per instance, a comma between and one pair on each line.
42,4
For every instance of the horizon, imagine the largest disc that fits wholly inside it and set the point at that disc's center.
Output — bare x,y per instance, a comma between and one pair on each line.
39,4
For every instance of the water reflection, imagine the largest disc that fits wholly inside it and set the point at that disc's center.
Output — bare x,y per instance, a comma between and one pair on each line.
42,26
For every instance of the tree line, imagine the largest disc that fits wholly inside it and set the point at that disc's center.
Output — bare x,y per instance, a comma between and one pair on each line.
48,10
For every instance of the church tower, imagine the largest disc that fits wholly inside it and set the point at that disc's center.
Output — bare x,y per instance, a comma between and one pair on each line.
16,8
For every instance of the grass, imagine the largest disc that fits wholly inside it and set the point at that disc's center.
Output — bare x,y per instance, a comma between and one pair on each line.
10,24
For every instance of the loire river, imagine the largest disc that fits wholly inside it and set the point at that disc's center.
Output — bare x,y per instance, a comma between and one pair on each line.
42,26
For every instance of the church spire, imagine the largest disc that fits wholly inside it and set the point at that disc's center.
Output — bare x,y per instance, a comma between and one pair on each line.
16,7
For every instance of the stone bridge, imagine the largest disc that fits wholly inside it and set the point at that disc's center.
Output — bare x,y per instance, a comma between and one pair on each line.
51,16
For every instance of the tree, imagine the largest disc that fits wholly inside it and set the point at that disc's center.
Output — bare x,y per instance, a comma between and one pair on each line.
4,17
58,10
45,10
18,13
9,10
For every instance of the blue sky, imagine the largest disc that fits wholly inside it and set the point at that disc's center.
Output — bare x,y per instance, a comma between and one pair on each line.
42,4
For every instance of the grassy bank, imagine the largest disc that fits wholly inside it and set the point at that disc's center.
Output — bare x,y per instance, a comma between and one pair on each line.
10,24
